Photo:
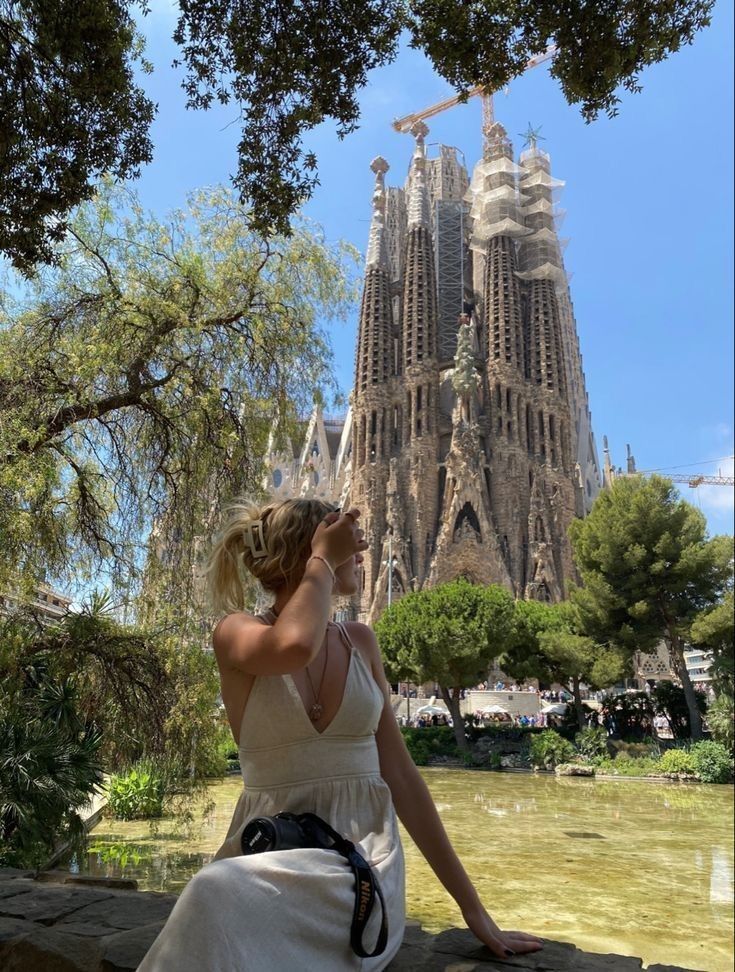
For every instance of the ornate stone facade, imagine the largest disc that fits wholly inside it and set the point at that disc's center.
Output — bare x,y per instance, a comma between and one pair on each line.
468,444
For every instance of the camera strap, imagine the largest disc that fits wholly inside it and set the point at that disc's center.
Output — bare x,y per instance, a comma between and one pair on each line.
366,888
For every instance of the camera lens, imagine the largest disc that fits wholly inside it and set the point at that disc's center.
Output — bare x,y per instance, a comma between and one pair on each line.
258,836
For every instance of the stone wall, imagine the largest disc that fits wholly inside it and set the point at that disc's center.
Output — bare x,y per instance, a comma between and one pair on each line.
63,923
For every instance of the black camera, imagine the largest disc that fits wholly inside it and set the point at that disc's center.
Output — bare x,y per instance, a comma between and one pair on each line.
285,831
288,831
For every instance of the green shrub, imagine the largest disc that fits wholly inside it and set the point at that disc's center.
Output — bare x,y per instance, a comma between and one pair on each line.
549,748
418,749
677,761
136,794
626,765
635,749
436,740
713,763
50,763
592,743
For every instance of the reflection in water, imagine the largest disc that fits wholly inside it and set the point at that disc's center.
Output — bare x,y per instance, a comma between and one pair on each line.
659,885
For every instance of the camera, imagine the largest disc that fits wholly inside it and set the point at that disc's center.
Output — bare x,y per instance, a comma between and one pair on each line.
285,831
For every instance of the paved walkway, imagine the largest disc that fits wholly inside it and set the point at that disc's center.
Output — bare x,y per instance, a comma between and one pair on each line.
64,923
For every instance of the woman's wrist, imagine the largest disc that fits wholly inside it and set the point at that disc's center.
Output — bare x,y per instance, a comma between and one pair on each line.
321,559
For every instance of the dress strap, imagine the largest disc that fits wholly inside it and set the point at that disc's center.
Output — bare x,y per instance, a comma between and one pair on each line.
344,636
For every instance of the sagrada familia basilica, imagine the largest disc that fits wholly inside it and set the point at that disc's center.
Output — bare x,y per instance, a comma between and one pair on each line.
468,442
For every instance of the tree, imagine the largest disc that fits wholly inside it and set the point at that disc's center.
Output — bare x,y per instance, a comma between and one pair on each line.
713,630
648,570
70,111
288,67
148,695
50,763
448,634
550,645
140,378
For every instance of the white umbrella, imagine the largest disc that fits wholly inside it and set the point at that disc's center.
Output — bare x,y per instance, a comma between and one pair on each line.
556,708
431,710
494,710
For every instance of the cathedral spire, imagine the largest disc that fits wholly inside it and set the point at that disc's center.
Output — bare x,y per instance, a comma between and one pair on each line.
419,280
418,195
377,251
374,341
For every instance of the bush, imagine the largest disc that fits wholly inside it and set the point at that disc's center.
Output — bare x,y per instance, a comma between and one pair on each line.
437,740
222,754
626,765
634,750
50,764
418,749
549,748
712,762
136,794
677,762
592,743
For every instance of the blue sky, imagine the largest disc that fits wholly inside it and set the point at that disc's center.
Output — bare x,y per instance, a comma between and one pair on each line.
648,200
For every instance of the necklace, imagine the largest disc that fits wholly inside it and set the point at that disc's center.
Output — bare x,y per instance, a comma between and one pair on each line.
315,712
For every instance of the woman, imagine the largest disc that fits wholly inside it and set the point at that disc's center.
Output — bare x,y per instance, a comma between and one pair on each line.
309,707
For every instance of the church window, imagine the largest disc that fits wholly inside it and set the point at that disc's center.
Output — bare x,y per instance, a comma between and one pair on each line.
539,533
552,428
541,425
467,523
277,478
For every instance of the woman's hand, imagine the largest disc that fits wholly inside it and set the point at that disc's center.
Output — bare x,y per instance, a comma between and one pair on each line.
338,537
504,944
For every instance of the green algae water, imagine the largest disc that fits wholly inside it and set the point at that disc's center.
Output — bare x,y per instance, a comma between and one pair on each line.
634,868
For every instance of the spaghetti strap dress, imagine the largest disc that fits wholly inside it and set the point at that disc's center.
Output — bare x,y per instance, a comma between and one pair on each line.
291,910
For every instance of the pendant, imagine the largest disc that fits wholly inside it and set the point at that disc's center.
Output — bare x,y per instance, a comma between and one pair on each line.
315,713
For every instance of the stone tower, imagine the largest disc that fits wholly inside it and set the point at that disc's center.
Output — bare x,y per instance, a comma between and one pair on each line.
468,445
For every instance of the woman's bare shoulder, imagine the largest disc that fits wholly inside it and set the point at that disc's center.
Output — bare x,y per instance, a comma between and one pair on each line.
231,625
363,638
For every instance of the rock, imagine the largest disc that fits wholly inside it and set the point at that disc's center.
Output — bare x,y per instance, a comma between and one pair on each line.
126,910
124,951
46,950
49,905
11,928
574,769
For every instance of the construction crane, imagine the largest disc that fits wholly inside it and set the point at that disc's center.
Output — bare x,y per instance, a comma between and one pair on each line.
694,481
406,123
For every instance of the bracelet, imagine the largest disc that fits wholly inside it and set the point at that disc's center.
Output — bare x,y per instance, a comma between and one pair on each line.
326,564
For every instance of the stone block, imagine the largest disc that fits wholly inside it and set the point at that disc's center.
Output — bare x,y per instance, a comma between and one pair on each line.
49,905
574,769
9,889
124,910
11,928
124,951
46,950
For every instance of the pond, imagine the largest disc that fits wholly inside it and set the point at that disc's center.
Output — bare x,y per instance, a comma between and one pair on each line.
634,868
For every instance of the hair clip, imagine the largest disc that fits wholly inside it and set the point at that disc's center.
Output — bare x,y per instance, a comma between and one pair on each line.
255,539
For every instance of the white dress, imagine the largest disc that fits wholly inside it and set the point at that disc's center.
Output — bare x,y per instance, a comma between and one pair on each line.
291,910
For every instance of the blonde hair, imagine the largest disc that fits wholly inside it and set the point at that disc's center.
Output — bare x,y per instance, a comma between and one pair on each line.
287,529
